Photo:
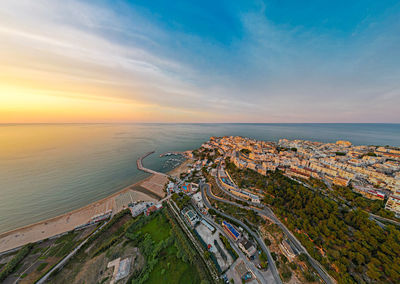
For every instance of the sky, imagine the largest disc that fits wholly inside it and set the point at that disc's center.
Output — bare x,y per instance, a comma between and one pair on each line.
199,61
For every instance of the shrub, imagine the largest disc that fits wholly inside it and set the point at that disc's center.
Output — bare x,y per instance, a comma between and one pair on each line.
41,266
11,266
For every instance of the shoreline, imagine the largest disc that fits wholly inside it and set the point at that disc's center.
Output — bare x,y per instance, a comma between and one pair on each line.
73,211
147,189
15,238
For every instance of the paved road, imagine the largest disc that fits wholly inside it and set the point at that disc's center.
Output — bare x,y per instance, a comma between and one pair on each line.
393,222
266,211
255,236
249,264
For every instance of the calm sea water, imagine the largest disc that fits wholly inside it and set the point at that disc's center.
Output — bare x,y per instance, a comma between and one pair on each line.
47,170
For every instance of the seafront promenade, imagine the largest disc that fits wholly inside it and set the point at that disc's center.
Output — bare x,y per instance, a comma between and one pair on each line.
149,189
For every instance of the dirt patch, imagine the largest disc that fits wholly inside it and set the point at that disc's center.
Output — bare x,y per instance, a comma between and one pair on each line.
32,272
95,270
146,191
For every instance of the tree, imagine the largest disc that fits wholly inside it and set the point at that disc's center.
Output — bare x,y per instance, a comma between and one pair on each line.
212,212
303,257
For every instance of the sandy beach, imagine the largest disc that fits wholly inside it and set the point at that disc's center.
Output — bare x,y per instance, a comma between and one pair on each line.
149,189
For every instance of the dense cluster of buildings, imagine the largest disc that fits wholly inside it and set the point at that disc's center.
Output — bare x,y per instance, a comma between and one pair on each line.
373,171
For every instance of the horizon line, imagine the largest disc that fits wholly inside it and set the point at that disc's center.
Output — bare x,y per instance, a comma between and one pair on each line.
53,123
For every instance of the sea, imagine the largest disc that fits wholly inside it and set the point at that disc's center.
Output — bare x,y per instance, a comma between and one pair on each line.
50,169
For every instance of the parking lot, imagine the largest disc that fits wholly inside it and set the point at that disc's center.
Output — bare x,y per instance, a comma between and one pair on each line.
209,237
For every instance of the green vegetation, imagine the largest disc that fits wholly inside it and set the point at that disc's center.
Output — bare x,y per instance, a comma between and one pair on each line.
228,247
63,245
170,258
115,238
14,262
105,240
286,273
303,257
117,217
245,151
181,199
247,216
349,245
263,260
41,266
309,276
354,199
340,153
159,230
186,250
267,242
315,183
293,265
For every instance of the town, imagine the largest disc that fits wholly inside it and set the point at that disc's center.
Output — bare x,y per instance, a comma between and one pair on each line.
371,171
240,210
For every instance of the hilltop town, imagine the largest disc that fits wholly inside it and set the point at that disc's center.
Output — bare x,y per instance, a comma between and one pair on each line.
373,171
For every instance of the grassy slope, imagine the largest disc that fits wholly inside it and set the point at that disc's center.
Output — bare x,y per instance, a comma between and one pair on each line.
175,270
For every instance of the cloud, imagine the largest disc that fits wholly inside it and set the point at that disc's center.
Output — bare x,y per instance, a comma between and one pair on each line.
263,71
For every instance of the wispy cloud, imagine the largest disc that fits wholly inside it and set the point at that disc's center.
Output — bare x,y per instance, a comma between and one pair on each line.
267,71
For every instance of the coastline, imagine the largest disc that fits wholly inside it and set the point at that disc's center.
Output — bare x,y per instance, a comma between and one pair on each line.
148,189
69,221
181,168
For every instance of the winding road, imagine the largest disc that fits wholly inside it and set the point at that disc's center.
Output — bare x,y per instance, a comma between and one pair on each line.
266,211
255,236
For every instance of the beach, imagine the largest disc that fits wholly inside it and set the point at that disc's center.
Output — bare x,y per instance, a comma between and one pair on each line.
149,189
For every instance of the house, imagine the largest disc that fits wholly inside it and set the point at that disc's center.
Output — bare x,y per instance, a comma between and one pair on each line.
393,204
190,216
287,249
152,209
247,247
198,199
